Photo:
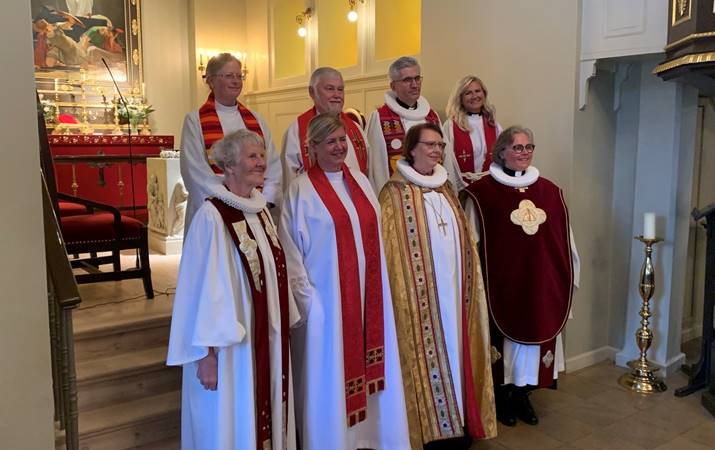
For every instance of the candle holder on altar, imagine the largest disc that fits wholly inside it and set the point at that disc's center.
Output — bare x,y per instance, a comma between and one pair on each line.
641,378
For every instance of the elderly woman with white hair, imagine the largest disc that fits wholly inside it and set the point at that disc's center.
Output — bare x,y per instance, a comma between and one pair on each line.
222,114
469,132
232,312
348,381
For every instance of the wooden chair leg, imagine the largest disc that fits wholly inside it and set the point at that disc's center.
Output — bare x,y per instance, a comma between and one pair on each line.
116,261
146,269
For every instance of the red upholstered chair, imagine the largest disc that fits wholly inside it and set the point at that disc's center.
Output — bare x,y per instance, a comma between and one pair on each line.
71,209
92,228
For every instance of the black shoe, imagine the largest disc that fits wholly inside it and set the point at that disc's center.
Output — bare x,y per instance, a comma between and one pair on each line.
524,410
504,400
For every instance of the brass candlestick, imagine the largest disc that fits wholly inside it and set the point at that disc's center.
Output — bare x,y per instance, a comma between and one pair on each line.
641,378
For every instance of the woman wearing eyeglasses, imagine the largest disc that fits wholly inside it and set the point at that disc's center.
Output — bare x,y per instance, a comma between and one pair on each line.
220,115
470,131
530,269
438,297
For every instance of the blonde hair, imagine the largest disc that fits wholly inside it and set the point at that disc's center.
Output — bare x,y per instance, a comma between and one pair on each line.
455,110
319,128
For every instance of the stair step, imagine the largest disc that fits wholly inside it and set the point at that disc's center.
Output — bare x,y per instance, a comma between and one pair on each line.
116,366
125,377
166,444
131,424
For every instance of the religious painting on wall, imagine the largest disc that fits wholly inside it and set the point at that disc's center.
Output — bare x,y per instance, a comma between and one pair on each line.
72,40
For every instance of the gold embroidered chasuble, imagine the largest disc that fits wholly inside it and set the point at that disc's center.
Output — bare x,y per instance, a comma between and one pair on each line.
432,409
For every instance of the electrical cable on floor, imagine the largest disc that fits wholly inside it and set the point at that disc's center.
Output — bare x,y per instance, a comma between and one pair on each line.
166,292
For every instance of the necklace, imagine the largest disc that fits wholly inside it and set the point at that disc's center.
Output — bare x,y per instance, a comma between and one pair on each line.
441,224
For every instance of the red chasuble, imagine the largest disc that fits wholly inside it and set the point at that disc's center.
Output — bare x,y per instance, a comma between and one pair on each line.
211,125
394,133
464,150
528,277
232,216
363,351
351,129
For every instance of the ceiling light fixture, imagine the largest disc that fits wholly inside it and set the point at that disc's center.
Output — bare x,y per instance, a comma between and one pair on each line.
352,14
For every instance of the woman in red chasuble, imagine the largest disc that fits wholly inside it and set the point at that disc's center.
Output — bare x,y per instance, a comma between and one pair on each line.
530,270
232,313
222,114
438,295
470,131
348,382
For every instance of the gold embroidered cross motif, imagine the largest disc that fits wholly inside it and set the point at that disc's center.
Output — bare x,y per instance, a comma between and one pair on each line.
528,216
249,248
548,359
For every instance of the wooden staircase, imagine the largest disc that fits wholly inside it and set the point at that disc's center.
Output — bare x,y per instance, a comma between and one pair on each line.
127,396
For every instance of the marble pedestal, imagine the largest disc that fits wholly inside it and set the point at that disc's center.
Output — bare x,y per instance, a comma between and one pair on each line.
166,204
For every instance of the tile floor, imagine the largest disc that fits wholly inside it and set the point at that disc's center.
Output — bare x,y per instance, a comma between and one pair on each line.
588,411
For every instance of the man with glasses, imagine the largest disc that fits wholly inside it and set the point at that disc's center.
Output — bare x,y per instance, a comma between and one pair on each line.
220,115
404,107
530,267
327,90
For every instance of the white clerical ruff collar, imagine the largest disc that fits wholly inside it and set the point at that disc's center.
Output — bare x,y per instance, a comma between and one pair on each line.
437,179
527,179
254,204
423,107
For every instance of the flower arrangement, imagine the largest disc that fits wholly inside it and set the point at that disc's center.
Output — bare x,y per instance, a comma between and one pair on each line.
49,110
134,112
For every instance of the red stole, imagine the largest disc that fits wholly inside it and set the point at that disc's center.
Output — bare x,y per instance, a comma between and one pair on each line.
394,132
528,278
261,323
464,150
363,352
211,125
351,129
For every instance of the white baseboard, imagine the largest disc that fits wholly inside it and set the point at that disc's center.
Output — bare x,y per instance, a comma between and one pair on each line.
590,358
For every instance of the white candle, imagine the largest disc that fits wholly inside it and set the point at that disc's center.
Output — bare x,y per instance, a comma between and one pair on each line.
649,225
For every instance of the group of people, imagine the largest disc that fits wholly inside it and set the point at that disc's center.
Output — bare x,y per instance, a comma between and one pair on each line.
411,293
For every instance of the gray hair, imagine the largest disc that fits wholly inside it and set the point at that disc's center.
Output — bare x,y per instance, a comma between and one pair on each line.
226,151
217,62
321,72
399,64
506,139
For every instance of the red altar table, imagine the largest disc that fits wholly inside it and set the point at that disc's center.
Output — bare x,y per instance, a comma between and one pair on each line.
100,168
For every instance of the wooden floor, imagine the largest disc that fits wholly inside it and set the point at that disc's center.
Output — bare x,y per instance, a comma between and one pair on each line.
588,411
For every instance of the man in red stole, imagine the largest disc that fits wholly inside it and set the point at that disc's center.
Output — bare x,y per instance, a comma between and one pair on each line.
530,270
327,90
386,128
222,114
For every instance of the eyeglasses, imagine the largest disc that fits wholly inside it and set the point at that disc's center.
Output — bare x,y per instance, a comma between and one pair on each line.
528,148
433,144
409,80
232,76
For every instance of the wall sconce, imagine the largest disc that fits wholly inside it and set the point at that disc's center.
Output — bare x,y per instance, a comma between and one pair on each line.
302,19
353,15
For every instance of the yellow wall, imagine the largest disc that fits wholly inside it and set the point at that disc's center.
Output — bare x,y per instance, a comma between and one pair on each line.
26,381
393,41
289,47
169,72
337,37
